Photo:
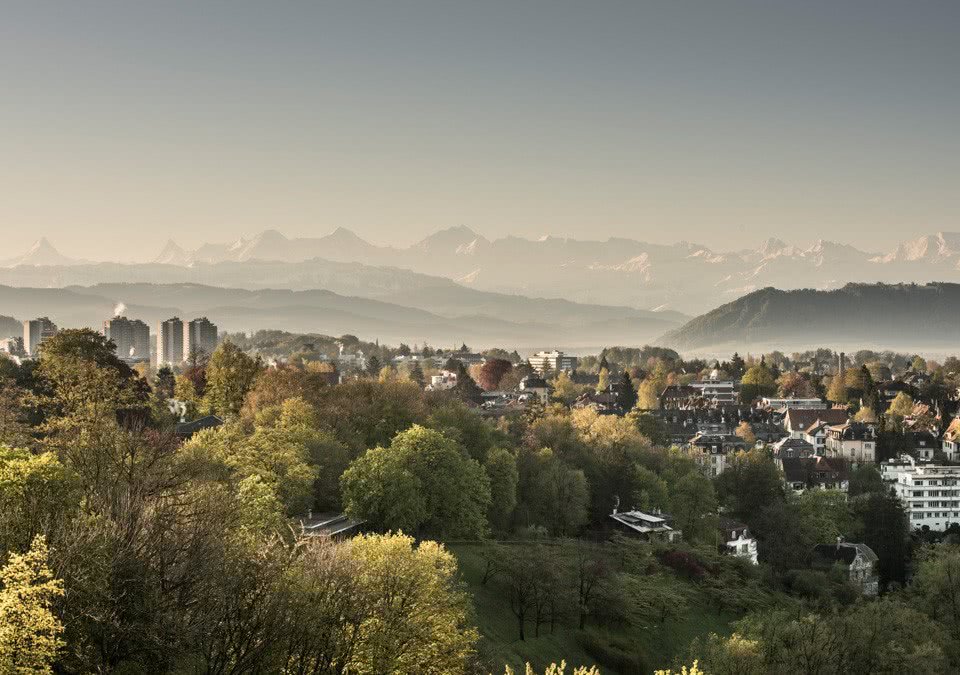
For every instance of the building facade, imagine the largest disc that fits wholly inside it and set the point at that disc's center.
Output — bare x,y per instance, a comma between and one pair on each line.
130,336
853,441
200,337
553,361
170,342
36,332
930,493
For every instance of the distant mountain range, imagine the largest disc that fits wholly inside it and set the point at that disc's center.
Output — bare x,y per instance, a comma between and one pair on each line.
685,277
908,317
482,319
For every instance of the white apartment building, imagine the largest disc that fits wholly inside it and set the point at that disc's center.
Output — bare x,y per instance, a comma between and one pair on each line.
788,403
717,391
930,493
553,361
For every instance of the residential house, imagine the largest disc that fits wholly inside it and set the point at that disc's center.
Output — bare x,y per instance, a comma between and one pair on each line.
858,561
447,379
815,473
710,450
951,441
537,387
737,540
798,420
790,447
854,441
921,444
677,396
647,526
816,435
185,430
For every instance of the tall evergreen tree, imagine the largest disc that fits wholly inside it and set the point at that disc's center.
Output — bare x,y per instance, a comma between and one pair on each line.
625,392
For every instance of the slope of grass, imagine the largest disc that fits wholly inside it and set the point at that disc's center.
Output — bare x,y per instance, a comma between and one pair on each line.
500,643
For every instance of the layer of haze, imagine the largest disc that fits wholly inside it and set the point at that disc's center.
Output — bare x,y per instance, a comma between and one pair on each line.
123,124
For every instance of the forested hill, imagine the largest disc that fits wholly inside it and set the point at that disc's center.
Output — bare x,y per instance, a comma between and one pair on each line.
891,316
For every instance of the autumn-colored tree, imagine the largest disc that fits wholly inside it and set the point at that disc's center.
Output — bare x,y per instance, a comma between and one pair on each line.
745,431
837,391
491,372
757,381
901,406
792,384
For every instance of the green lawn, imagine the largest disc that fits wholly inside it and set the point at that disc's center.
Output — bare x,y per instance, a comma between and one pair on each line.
500,643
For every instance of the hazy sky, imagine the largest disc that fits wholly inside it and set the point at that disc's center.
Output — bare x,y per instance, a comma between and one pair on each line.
125,123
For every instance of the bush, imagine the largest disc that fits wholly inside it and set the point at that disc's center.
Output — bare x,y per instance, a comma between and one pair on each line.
615,653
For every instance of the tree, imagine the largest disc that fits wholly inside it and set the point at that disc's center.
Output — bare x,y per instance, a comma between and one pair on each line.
422,483
278,452
418,616
864,479
466,389
865,414
651,491
901,406
885,529
745,431
37,492
565,389
416,375
603,380
501,468
230,375
492,372
750,483
31,635
374,366
654,598
794,385
559,495
692,498
837,391
625,393
757,382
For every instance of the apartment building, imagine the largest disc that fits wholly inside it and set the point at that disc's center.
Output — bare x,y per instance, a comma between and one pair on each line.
930,493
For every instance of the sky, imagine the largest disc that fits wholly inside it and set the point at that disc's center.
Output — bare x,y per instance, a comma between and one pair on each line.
123,124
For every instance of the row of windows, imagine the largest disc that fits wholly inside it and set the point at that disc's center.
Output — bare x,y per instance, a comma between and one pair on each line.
942,514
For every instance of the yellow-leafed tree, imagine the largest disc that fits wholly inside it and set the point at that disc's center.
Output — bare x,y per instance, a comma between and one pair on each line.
30,633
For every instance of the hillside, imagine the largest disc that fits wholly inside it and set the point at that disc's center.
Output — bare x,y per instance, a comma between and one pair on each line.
907,316
485,321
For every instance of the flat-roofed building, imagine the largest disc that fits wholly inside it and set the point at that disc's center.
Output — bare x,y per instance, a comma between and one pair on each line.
930,493
36,332
170,342
130,336
200,336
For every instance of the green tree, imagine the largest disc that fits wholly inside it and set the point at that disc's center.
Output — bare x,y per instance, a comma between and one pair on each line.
230,375
501,468
693,504
651,491
625,392
422,483
31,635
757,382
